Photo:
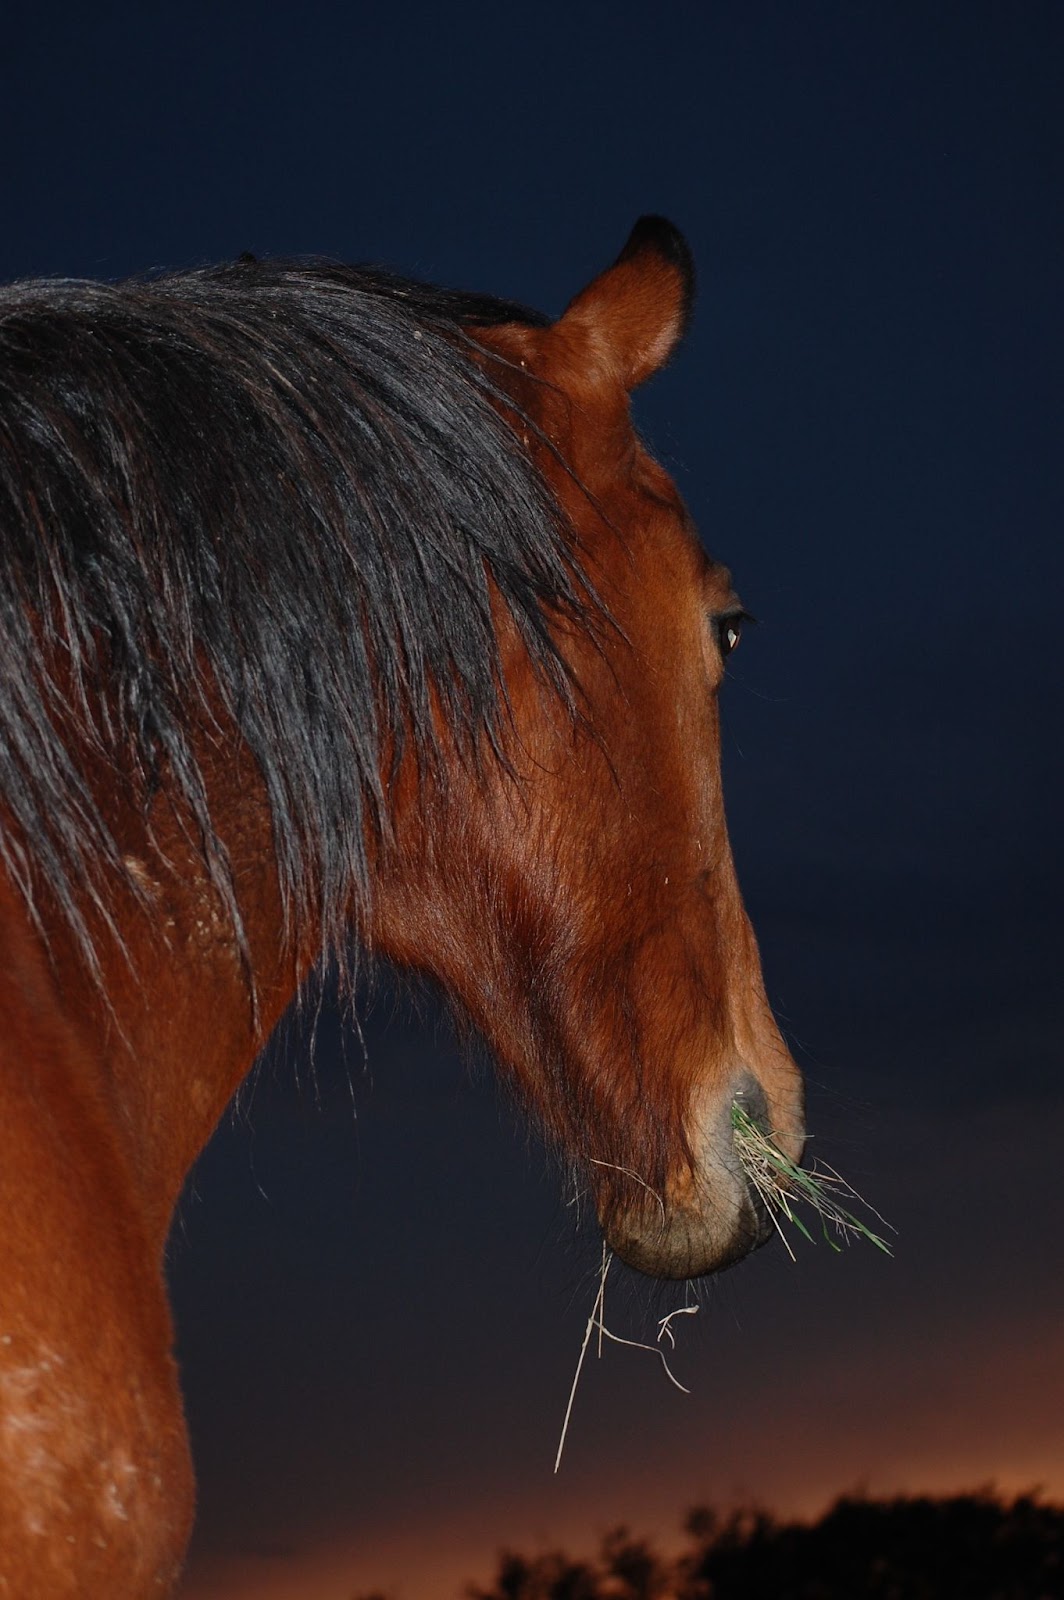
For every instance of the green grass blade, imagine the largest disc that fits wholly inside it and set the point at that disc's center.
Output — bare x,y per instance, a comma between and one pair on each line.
780,1182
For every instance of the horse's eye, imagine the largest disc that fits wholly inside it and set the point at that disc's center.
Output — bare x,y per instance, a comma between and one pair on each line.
730,632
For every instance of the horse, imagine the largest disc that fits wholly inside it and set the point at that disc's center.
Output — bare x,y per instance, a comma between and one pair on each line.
343,619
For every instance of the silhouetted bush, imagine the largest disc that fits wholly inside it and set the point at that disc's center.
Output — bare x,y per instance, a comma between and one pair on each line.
914,1547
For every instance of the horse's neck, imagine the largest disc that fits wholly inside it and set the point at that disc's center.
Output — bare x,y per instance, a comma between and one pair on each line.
157,1048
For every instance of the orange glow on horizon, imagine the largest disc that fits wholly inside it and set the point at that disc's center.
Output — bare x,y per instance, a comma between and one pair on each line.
942,1443
436,1563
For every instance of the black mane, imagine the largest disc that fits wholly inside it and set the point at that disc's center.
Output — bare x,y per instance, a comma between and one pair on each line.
280,484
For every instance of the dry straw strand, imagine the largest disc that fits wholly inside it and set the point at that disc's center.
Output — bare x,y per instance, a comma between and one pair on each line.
597,1321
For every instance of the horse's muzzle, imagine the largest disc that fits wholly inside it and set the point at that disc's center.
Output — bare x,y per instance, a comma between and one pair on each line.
711,1216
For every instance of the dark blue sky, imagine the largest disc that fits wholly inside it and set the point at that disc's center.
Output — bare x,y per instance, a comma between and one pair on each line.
378,1317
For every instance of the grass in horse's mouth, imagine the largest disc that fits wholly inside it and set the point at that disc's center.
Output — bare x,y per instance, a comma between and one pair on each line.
781,1184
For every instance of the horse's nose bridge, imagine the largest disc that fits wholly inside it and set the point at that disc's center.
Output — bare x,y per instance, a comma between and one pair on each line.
752,1066
732,977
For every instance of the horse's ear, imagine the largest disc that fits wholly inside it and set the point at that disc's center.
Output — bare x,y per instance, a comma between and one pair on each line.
636,312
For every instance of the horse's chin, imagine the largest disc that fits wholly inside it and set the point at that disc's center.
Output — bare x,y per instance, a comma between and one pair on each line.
688,1243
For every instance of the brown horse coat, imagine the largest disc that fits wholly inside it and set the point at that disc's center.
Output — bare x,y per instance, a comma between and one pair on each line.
564,874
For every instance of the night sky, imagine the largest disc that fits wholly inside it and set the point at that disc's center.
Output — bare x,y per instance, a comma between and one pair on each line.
379,1290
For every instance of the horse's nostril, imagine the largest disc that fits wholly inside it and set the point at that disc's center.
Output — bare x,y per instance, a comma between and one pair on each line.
750,1097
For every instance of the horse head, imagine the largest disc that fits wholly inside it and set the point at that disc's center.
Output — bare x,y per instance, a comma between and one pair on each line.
580,901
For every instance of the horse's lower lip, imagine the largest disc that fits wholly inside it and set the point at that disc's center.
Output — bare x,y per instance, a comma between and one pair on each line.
763,1218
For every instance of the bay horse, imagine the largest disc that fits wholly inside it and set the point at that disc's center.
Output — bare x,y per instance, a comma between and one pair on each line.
340,614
